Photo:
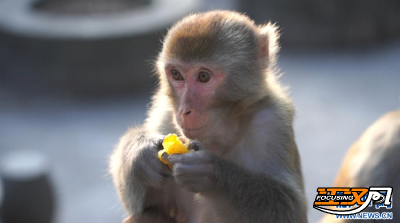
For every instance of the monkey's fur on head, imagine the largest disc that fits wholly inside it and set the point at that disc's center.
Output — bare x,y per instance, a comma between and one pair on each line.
218,88
222,37
231,41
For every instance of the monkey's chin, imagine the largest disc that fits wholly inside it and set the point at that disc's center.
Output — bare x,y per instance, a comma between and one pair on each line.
193,133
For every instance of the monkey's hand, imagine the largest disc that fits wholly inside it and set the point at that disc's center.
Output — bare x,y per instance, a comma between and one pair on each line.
146,168
195,170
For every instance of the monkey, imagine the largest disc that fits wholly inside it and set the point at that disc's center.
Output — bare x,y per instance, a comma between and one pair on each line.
218,88
372,161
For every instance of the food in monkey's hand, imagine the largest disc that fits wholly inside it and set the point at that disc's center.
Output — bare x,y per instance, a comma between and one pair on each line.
172,145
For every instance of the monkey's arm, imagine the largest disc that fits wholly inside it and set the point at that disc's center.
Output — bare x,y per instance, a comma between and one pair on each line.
255,195
140,178
142,181
248,196
136,169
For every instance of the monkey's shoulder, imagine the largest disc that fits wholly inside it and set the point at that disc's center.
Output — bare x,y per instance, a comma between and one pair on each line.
269,119
261,146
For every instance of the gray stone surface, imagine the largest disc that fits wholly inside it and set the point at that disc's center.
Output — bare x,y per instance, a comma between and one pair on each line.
45,52
337,95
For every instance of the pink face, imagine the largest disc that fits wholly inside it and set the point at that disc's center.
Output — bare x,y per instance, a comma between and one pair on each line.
194,86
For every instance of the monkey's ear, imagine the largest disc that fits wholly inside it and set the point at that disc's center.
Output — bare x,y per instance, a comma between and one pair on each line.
268,40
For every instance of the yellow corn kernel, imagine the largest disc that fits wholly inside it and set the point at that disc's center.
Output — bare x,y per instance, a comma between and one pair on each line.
172,145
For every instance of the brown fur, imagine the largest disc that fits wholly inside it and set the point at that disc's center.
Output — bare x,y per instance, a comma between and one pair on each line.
373,161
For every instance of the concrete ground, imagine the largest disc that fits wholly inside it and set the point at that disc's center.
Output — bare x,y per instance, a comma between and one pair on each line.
337,95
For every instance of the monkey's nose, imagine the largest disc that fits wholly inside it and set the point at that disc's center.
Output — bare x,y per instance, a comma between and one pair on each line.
188,112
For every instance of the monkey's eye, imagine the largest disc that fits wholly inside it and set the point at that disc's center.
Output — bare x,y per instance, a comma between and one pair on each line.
204,77
176,75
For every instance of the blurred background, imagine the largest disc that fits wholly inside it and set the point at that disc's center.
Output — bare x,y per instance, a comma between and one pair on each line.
75,74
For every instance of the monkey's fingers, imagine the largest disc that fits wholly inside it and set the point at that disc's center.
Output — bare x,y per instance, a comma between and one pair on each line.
158,143
192,171
183,158
199,157
195,146
163,157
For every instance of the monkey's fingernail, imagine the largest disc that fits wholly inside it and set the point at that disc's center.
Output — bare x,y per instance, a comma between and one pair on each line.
194,146
159,142
165,156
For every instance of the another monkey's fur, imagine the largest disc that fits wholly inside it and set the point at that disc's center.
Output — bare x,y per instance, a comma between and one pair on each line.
248,167
373,160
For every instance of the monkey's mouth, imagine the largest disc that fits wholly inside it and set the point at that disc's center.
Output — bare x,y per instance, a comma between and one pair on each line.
193,133
193,129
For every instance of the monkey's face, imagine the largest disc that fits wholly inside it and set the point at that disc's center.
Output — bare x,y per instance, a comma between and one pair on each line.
194,86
